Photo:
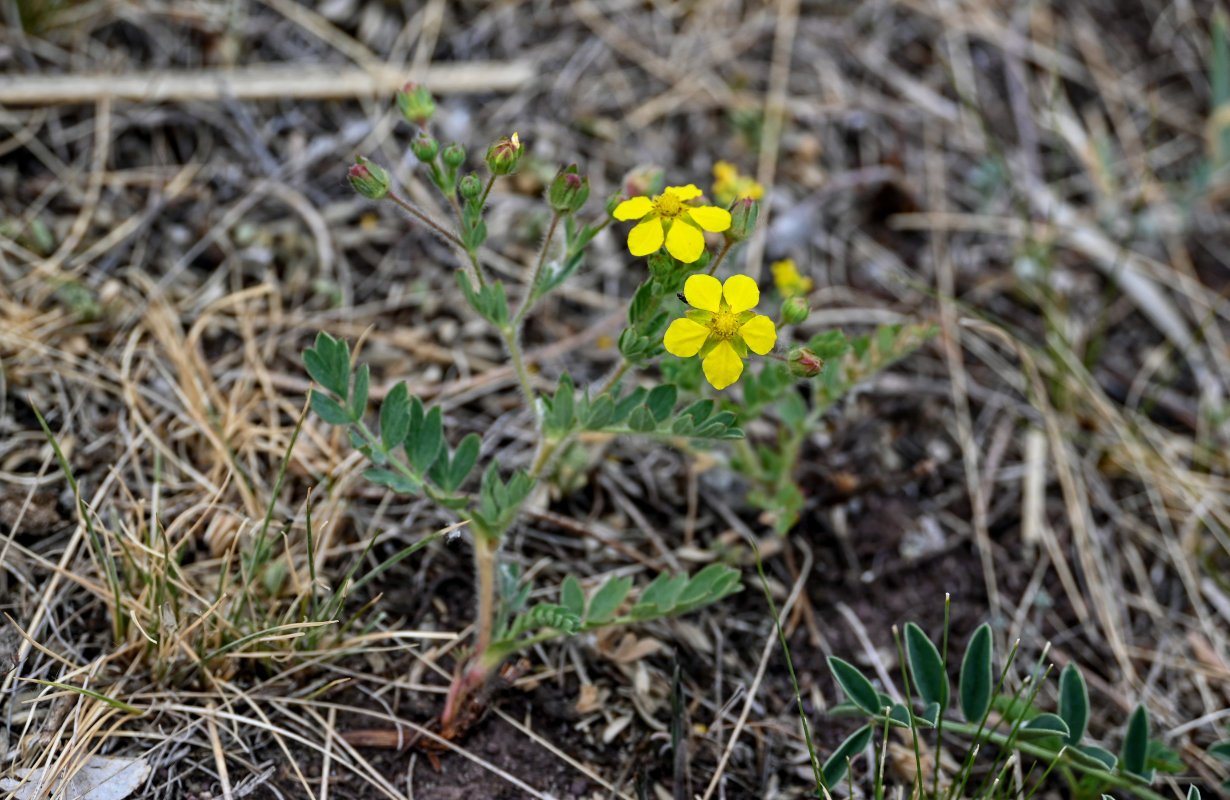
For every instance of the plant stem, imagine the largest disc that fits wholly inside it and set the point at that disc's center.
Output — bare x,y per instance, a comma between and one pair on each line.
721,254
528,301
614,377
426,220
484,568
511,337
487,191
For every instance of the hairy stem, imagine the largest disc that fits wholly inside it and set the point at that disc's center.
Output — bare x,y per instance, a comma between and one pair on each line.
528,300
721,254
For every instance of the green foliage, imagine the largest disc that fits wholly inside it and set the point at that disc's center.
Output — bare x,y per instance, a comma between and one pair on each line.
489,301
836,766
926,668
976,676
499,502
1073,702
1135,753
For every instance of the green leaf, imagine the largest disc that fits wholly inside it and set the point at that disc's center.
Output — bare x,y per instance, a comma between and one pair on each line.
606,601
1091,757
625,404
926,667
930,714
1163,759
641,420
663,590
572,597
1193,793
329,409
1136,742
1220,750
898,715
425,439
1042,726
329,364
463,460
703,583
661,401
976,677
1073,702
393,480
835,768
562,407
698,411
358,394
642,303
856,686
601,413
395,417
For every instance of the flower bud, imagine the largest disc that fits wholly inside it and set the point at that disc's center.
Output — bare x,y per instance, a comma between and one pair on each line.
454,156
804,363
470,187
645,180
425,148
568,191
415,103
743,215
368,179
795,310
503,156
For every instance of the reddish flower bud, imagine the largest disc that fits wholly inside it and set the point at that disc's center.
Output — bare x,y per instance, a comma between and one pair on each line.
368,179
415,103
804,363
568,191
743,215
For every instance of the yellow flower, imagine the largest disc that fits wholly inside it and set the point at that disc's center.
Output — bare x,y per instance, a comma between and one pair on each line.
729,185
667,218
788,280
721,328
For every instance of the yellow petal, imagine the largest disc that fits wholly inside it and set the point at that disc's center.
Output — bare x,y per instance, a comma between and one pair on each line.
635,208
684,338
685,242
723,366
684,193
759,333
645,238
741,293
703,292
711,218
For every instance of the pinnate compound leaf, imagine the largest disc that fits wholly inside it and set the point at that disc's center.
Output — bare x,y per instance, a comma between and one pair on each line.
977,682
835,768
329,409
572,597
1135,751
856,686
1042,726
1073,702
926,667
392,480
608,598
395,417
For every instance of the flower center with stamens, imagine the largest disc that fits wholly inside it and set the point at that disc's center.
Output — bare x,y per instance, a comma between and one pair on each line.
668,205
725,324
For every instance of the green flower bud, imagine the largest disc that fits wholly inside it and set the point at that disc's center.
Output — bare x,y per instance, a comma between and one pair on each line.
415,103
804,363
568,191
470,187
743,216
503,156
613,202
795,310
425,148
454,156
368,179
